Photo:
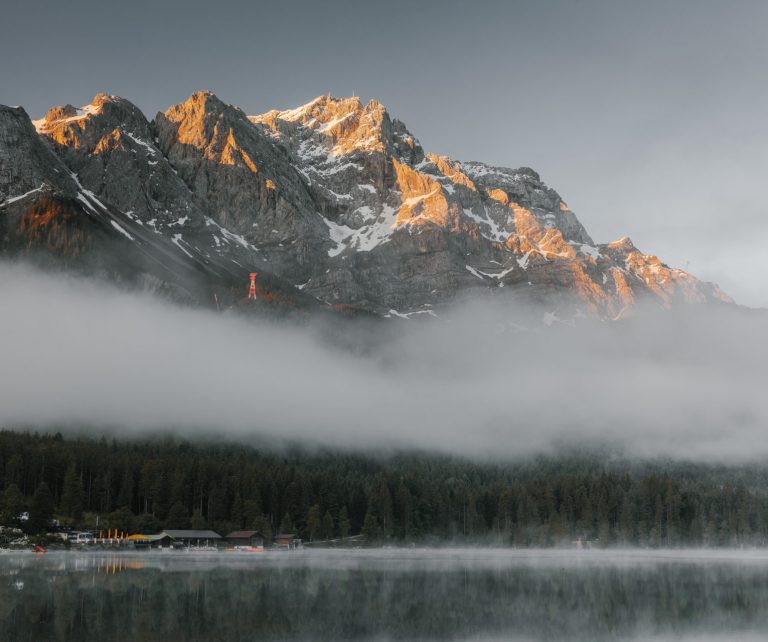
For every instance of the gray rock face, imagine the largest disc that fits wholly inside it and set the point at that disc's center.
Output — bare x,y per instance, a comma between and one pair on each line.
26,164
29,172
243,182
109,145
336,199
49,216
411,230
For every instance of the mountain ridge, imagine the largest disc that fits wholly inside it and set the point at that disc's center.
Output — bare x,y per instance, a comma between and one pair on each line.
335,198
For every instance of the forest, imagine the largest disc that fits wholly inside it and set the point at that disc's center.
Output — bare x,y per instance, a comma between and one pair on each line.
145,485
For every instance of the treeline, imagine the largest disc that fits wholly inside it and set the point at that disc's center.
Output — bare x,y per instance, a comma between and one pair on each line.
144,486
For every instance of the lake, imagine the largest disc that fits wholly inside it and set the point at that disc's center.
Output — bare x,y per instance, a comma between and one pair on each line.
386,594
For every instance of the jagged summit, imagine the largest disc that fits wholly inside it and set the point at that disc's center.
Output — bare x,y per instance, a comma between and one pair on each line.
484,173
336,197
68,116
320,108
624,244
345,126
200,103
28,169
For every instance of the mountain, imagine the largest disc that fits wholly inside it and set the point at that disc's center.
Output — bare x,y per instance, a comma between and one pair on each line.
335,204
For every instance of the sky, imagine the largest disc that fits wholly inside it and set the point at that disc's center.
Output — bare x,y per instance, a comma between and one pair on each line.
688,384
647,117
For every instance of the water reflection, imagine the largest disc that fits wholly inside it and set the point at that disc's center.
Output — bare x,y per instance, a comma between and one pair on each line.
386,595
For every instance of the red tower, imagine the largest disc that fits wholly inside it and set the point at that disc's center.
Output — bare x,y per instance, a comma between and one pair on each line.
252,288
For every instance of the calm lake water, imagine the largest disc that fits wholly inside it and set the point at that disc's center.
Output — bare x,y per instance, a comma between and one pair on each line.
414,594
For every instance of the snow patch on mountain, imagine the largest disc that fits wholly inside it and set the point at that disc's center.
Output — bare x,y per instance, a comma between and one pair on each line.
366,237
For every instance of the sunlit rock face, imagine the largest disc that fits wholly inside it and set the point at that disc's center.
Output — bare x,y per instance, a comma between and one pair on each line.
340,200
110,148
108,144
411,229
244,182
67,204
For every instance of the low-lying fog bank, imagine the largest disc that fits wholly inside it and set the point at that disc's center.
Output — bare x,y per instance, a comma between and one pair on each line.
688,384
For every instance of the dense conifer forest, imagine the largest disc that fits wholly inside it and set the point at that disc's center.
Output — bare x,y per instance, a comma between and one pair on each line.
146,485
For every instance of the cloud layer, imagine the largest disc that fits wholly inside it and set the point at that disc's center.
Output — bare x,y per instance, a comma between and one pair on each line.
78,354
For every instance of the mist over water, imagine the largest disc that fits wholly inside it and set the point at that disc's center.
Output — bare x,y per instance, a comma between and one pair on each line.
78,354
422,594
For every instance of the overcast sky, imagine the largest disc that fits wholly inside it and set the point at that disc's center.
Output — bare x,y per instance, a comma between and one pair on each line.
648,117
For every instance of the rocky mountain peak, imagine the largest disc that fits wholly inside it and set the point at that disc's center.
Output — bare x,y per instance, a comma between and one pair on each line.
85,126
198,105
243,181
28,169
335,198
59,113
110,149
204,120
623,244
345,126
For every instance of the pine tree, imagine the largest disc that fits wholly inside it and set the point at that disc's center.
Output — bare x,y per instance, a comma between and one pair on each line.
125,495
313,522
14,470
251,514
237,512
198,521
344,525
328,526
371,530
71,504
404,502
261,524
286,526
626,520
178,517
504,515
41,509
380,505
12,503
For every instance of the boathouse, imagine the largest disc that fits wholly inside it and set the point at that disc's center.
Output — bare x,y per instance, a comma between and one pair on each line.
249,539
161,540
287,540
194,538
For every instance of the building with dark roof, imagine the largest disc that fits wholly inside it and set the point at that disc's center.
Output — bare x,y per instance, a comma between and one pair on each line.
194,537
253,539
287,540
161,540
